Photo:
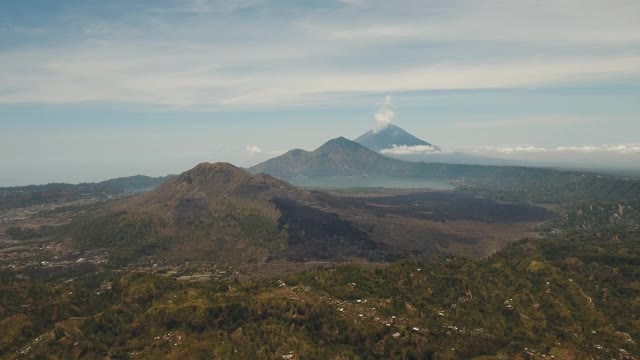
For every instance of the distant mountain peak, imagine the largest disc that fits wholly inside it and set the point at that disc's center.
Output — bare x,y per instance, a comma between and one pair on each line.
388,127
389,137
336,157
340,143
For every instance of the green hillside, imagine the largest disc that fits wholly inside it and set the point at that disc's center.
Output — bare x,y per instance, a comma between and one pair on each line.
214,211
576,297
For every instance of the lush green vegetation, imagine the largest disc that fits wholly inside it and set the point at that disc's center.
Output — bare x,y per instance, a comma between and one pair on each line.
28,233
130,235
573,296
596,215
573,293
127,235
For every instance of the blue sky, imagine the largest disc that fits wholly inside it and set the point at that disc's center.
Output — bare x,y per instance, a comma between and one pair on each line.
90,90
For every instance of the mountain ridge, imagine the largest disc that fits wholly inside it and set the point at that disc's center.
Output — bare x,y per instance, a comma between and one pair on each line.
336,157
344,158
218,212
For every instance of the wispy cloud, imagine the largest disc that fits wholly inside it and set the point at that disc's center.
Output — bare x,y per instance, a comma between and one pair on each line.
354,2
256,54
571,22
208,6
520,121
132,74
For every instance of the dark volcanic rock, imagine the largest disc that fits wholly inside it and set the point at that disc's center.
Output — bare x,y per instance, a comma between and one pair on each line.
317,234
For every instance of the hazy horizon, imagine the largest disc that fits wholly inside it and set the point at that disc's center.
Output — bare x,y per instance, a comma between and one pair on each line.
94,90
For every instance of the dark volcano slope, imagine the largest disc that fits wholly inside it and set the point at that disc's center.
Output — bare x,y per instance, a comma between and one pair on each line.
317,234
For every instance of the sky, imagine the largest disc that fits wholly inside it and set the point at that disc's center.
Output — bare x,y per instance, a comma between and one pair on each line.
91,90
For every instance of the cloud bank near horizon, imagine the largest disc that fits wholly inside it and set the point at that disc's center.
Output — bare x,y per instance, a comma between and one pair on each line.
410,150
622,149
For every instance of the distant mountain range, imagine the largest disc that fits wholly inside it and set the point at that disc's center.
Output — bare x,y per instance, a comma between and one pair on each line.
342,157
133,184
218,212
57,193
337,157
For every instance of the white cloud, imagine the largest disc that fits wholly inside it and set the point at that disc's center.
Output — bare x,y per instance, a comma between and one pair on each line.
410,150
135,73
507,149
548,22
253,150
520,121
208,6
622,149
354,2
619,149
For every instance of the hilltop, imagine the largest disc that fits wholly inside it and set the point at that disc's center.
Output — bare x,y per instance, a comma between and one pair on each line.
218,180
218,212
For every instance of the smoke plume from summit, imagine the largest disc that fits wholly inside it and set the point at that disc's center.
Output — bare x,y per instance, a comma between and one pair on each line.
384,116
